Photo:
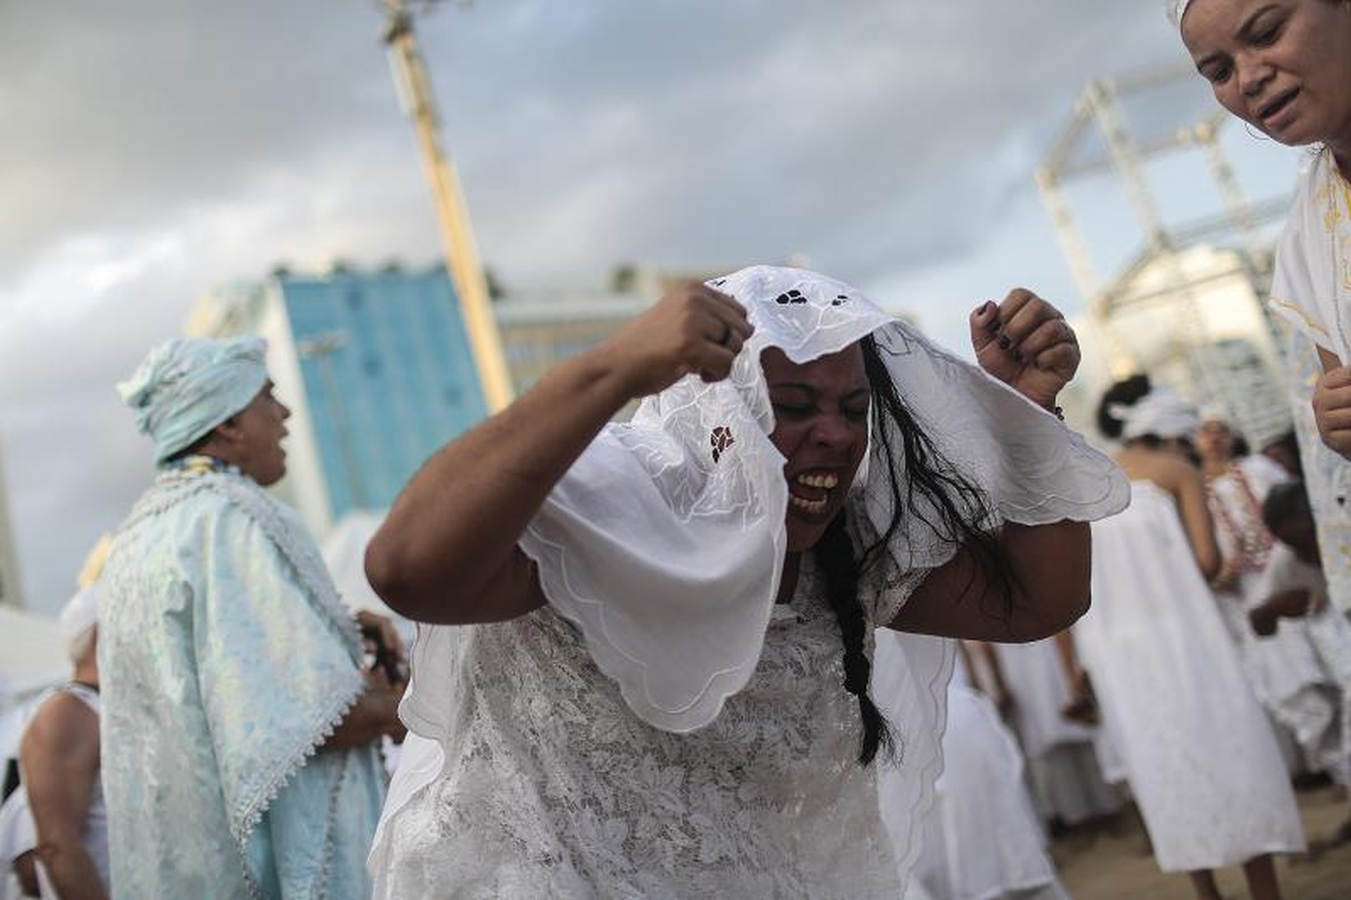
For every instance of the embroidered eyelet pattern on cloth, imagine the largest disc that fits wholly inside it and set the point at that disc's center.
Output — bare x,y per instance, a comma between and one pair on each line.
660,728
721,439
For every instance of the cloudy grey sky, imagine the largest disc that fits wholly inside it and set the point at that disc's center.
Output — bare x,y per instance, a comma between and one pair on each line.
155,150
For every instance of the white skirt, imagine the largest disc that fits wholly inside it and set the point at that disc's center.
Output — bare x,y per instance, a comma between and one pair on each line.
1196,746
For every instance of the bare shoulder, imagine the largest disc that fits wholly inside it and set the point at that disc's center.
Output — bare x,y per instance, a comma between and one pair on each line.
63,724
1171,473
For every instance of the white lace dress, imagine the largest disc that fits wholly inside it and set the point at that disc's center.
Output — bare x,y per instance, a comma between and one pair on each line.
555,789
663,728
1199,752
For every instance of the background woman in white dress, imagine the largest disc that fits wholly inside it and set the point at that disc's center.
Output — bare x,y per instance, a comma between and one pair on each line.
605,569
1236,486
1199,752
982,838
1282,667
1064,770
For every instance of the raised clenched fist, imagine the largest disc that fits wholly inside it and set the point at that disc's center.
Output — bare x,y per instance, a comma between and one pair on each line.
692,329
1026,343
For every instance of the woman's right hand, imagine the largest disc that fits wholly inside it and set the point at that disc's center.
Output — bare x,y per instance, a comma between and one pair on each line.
1332,409
458,522
692,329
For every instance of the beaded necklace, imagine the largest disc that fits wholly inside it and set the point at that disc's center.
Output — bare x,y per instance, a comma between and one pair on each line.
199,464
1251,539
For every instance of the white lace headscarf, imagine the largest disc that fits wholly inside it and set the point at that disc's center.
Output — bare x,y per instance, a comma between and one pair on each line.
664,543
1161,413
187,386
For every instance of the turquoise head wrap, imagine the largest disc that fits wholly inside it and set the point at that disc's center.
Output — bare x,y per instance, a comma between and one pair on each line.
187,386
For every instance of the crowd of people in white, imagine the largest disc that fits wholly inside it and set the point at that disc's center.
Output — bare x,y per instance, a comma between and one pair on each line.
814,622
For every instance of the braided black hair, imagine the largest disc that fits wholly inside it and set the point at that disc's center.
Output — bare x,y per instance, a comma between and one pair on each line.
950,504
835,553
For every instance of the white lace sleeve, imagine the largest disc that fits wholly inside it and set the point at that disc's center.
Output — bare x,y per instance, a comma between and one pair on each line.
665,548
1032,469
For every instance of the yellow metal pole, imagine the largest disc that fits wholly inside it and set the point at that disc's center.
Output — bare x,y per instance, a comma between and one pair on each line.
457,235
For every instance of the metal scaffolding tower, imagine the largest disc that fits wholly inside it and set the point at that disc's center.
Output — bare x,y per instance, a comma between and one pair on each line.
1100,105
1164,275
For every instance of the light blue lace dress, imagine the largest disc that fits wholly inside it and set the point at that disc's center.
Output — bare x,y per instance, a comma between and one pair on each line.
226,658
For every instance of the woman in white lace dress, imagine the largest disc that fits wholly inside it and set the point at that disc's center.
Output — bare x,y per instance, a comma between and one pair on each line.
1199,753
663,688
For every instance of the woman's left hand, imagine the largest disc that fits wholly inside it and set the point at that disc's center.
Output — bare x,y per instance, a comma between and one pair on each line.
1026,343
389,635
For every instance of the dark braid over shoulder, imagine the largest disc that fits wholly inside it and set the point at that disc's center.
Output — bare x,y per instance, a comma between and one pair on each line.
835,554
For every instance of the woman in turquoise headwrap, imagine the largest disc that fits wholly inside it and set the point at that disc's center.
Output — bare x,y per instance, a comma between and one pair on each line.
238,725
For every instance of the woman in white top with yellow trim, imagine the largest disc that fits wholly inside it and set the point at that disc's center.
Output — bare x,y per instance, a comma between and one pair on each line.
1284,67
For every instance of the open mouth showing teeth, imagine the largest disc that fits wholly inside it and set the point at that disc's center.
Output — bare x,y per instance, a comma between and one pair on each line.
811,506
1275,106
811,493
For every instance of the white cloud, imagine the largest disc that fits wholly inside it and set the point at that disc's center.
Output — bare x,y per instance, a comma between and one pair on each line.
154,150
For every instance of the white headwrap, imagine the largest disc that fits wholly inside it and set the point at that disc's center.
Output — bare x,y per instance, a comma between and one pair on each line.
187,386
1176,10
78,616
1214,412
1161,412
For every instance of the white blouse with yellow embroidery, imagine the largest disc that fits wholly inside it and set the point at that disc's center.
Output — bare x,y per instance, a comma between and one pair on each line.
1312,283
1312,292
